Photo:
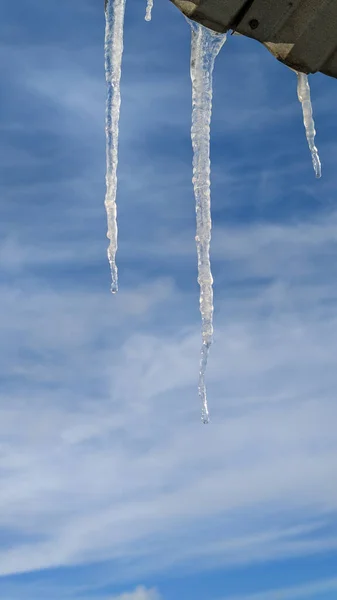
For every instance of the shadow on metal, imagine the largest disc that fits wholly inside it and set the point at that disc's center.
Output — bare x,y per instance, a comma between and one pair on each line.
299,33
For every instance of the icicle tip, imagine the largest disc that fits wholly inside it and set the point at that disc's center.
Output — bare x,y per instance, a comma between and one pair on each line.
114,283
149,7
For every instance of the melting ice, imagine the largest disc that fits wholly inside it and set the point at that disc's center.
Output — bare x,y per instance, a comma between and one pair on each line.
206,44
114,15
303,92
149,7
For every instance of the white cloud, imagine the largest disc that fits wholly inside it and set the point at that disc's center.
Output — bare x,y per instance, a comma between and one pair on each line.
129,473
140,593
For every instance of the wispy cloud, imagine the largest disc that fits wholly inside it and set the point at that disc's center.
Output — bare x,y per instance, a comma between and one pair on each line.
88,474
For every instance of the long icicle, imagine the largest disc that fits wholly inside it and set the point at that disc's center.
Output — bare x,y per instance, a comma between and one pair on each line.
114,15
206,45
303,92
149,7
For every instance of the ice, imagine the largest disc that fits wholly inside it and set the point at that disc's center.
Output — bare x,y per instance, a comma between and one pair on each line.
149,7
114,15
303,92
206,44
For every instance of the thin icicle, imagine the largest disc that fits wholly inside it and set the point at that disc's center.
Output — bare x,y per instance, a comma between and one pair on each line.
149,7
206,44
303,92
114,14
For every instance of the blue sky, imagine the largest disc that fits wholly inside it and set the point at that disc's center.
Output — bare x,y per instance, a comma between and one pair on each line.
111,489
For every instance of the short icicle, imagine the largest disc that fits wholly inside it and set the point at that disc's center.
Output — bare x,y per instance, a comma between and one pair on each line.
114,15
303,92
149,7
206,45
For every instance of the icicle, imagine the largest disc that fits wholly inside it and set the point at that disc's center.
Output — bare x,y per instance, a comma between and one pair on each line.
149,8
114,14
303,92
206,44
